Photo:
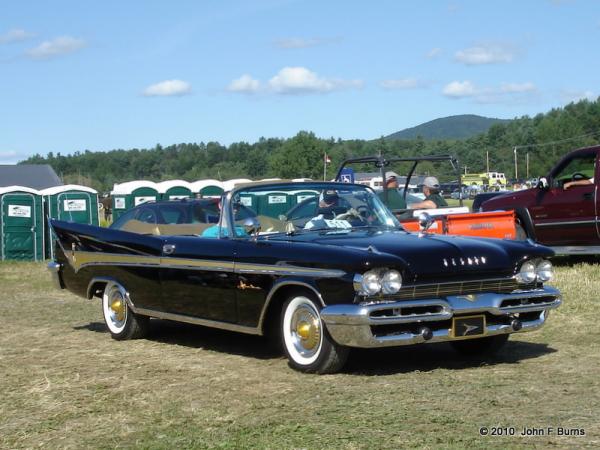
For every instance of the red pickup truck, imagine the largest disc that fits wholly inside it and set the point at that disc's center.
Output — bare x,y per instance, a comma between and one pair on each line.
563,211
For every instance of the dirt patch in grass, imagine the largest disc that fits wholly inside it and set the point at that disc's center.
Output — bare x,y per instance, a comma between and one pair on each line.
65,383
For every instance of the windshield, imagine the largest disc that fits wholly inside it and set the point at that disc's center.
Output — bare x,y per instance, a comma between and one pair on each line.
297,207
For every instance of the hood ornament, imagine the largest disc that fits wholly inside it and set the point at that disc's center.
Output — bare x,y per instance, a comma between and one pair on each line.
425,222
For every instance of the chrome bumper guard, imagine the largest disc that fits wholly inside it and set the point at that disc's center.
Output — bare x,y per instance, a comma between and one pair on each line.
350,324
54,269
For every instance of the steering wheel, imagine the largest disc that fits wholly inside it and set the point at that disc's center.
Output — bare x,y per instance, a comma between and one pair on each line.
351,213
577,176
363,210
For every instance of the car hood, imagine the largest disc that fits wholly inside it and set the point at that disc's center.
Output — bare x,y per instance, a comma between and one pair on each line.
432,254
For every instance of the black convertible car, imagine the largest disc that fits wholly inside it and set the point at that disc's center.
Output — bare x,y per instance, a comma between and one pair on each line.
330,274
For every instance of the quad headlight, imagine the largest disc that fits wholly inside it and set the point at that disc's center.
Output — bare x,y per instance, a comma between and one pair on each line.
378,280
391,282
540,270
527,273
544,270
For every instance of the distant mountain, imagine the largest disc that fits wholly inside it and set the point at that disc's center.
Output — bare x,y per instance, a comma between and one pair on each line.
453,127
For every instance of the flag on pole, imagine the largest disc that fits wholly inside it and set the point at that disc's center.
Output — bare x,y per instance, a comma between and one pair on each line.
327,159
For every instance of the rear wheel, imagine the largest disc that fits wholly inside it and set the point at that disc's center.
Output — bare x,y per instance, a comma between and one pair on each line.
306,342
486,345
122,323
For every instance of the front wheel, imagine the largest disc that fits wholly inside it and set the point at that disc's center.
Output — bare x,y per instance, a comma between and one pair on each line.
122,323
476,347
306,342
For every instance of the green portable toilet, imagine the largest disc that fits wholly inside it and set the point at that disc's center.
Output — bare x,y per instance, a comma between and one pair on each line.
273,204
72,203
174,190
207,188
300,196
21,224
250,200
132,193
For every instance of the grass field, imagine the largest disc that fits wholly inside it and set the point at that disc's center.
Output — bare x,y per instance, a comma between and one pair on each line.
65,384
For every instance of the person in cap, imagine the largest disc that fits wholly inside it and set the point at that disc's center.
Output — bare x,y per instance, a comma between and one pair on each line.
395,200
433,199
330,204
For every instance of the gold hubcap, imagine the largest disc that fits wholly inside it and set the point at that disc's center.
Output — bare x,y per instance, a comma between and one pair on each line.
118,307
307,329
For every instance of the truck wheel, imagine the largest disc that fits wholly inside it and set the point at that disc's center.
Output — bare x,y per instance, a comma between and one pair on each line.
486,345
521,234
306,342
122,323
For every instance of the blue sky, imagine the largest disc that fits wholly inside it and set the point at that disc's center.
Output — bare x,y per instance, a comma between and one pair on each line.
122,74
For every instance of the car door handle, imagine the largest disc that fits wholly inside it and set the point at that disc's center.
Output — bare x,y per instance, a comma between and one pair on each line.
168,249
588,196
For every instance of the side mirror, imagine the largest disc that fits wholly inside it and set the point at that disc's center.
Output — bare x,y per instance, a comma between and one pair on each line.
425,222
252,226
543,183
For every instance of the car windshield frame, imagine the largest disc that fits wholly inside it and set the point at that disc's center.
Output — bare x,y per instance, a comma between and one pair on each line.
227,222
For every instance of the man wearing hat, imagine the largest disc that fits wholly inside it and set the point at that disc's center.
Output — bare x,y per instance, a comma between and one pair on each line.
433,199
395,200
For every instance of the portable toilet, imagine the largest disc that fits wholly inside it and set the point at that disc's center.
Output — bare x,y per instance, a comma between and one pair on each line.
273,204
174,189
300,196
132,193
72,203
21,224
250,201
207,188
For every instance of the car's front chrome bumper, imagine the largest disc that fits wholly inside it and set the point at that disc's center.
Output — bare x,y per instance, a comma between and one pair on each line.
426,320
54,269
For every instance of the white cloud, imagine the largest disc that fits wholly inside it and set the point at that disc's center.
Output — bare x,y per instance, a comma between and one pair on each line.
15,35
244,84
296,42
56,47
298,80
485,54
504,93
292,80
459,89
168,88
403,83
434,53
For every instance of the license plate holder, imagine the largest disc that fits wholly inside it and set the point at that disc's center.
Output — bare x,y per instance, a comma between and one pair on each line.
468,327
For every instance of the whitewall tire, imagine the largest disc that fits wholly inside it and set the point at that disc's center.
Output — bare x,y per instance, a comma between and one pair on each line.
306,342
121,321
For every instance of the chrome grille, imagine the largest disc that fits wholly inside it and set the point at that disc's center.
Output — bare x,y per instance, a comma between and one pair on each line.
435,290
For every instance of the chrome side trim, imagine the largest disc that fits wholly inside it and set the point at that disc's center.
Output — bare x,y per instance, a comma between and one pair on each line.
80,259
54,269
568,222
577,250
350,324
194,320
274,290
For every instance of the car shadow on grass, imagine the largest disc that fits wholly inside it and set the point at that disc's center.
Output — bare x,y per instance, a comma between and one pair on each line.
195,336
364,362
425,358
